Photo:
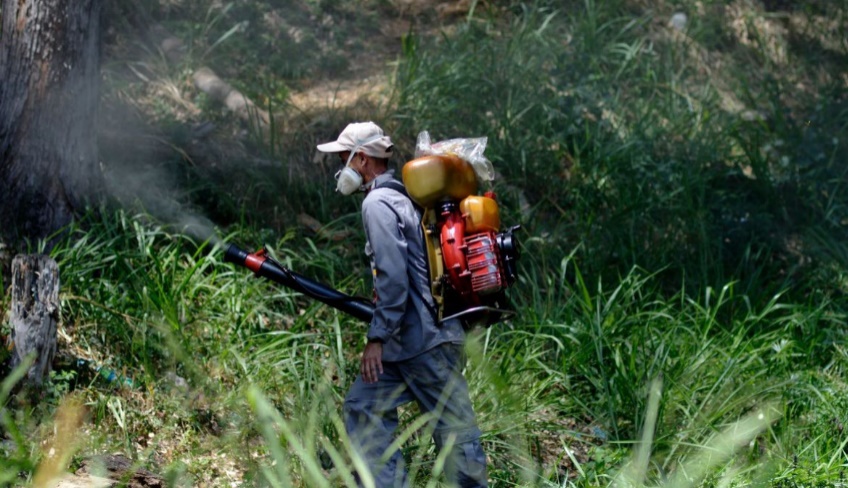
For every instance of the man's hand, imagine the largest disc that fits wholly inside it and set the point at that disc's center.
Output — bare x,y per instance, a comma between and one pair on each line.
372,362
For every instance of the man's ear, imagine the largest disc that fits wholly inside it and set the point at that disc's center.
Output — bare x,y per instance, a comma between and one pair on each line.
365,159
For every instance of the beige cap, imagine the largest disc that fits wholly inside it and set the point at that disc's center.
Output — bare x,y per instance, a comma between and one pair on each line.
361,136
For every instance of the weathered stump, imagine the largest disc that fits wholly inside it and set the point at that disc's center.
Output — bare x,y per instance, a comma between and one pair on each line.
35,311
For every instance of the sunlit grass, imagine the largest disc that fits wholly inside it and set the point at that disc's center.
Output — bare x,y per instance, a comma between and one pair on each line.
680,300
588,373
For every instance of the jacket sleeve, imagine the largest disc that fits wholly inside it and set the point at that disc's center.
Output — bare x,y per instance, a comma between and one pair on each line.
391,282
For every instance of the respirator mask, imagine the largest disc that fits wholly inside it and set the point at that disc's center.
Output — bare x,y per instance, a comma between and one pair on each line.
348,180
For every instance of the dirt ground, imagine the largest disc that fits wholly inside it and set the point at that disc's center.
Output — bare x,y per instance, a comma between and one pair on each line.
368,77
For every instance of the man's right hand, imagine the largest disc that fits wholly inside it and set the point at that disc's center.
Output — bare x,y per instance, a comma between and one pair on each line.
372,362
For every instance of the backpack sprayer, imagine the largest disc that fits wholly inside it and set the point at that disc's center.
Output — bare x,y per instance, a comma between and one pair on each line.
471,261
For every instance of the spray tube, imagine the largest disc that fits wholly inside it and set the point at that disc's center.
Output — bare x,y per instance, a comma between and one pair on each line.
263,265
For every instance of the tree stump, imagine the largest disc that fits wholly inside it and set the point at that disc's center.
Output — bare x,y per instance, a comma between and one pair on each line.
35,311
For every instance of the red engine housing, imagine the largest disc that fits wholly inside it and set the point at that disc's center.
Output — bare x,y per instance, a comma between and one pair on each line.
484,263
472,262
453,251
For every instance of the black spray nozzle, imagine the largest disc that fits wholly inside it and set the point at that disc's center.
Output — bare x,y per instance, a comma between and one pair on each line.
234,254
264,266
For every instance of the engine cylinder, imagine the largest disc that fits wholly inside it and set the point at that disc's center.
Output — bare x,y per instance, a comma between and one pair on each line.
484,263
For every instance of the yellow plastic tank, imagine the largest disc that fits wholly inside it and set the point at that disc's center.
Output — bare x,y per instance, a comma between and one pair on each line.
481,213
431,179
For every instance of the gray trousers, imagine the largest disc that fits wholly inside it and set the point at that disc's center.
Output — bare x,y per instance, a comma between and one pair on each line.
434,380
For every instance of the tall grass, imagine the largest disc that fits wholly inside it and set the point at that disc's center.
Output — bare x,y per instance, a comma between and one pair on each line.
562,388
680,300
604,121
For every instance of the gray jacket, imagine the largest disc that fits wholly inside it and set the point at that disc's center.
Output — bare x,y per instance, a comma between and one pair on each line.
404,317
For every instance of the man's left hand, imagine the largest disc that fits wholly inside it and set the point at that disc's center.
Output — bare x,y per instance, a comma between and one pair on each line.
372,362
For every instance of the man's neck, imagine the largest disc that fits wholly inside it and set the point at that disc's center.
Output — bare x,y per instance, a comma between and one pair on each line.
380,176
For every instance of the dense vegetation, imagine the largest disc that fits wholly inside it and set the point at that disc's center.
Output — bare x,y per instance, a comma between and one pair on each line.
681,304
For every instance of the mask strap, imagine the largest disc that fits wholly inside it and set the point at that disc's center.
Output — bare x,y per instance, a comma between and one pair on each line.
350,158
356,148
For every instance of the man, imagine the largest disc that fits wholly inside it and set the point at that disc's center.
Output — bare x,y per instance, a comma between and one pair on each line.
409,356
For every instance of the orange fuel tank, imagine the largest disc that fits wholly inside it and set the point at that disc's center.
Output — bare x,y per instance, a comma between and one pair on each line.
431,179
481,214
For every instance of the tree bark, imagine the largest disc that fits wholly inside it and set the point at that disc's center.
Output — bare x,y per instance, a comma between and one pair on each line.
5,270
49,67
35,311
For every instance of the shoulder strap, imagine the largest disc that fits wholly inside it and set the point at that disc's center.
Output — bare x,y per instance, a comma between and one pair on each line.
394,185
397,186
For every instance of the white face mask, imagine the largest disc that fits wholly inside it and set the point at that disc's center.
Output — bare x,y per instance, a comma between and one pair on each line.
348,180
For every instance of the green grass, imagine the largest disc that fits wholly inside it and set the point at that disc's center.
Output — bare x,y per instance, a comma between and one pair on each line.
681,291
266,372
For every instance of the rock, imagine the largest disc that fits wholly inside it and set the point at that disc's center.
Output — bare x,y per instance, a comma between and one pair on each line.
7,445
85,481
217,89
679,21
178,381
753,116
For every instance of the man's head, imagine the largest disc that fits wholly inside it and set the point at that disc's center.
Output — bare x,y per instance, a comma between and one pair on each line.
364,149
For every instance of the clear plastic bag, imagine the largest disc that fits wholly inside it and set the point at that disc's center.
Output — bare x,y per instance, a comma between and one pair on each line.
469,149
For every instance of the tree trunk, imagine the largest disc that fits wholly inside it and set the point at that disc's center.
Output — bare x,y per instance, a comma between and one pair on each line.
35,311
5,270
49,67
